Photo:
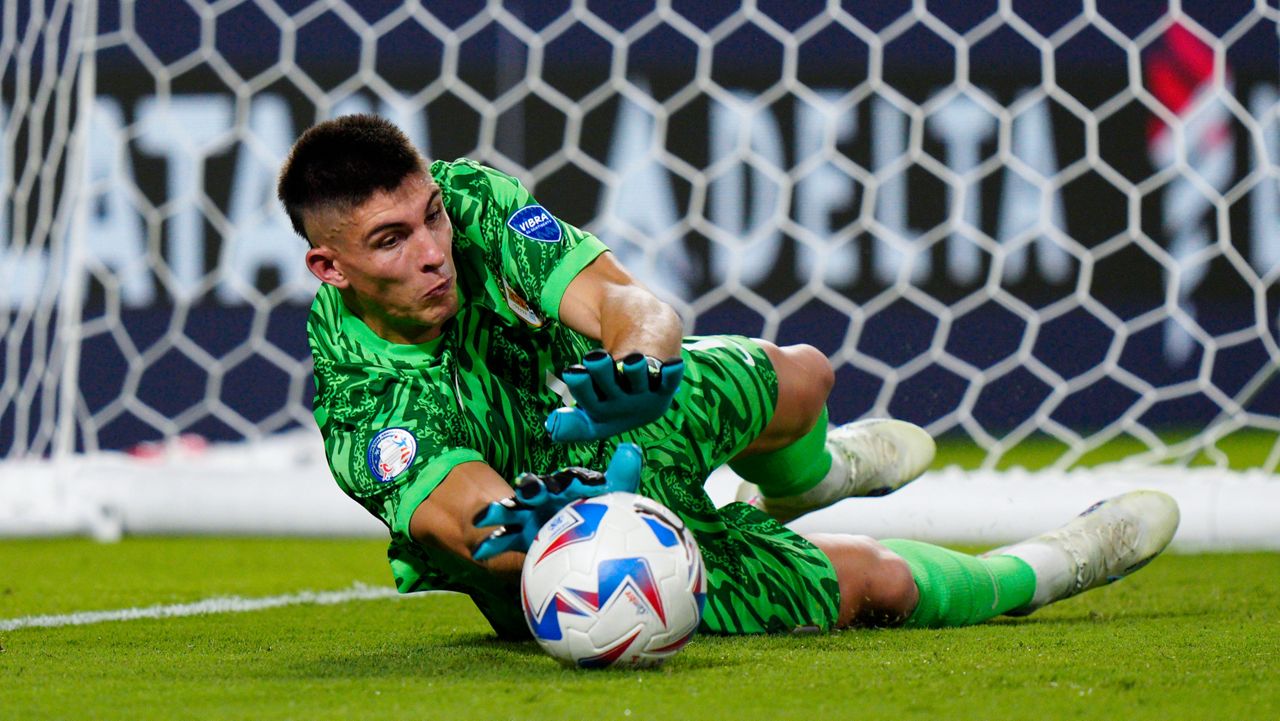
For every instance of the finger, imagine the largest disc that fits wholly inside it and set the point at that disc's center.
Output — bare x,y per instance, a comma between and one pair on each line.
670,375
498,513
531,491
635,374
500,541
604,372
583,389
624,468
527,477
576,489
570,425
560,480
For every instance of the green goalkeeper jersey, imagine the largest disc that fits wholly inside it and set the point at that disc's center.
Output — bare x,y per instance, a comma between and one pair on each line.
477,392
396,419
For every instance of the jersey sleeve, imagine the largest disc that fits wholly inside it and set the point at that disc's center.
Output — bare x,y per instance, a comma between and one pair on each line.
535,253
391,462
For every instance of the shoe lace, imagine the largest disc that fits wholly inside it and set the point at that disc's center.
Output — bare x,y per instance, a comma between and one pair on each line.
869,455
1119,535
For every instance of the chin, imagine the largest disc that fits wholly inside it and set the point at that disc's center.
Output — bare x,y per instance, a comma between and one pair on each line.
441,312
434,319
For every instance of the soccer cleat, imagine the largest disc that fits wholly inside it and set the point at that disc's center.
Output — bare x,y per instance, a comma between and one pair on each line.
873,457
1107,542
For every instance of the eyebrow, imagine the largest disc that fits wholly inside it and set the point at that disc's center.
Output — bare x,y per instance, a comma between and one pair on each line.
368,237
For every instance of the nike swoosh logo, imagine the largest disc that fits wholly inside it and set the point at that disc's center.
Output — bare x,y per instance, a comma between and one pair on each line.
709,343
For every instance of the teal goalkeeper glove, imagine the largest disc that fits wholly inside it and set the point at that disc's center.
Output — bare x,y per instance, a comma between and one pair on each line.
538,498
613,397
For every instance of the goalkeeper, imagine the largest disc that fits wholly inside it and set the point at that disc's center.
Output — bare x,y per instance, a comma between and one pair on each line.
456,320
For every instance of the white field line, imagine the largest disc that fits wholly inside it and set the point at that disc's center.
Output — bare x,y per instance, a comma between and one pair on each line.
217,604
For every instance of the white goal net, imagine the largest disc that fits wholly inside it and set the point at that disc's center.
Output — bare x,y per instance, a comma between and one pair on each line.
1047,232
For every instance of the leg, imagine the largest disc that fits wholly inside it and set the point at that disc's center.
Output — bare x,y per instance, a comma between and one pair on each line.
922,585
1107,542
805,380
761,577
917,584
790,456
795,466
876,586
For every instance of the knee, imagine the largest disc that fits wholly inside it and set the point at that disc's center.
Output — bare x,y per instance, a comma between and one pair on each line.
876,585
804,375
816,369
897,592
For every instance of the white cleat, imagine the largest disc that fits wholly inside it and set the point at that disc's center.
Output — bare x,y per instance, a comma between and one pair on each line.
874,457
883,455
1107,542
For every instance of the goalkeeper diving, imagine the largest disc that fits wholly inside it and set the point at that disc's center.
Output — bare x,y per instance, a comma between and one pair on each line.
479,363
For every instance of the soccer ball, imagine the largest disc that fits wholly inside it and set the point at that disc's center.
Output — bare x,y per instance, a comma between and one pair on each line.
613,581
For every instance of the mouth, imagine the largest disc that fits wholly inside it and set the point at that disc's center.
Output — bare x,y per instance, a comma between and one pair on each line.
439,289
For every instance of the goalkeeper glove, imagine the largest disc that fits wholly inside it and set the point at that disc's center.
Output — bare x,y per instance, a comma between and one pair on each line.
538,498
614,396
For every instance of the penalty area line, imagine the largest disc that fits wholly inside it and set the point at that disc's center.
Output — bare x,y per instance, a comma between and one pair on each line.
208,606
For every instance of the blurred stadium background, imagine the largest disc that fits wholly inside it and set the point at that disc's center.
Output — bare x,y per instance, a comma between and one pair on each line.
1047,232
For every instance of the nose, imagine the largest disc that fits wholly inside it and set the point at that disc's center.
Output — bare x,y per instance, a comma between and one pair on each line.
431,250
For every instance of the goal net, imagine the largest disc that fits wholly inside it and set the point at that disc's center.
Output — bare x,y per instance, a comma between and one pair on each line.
1047,232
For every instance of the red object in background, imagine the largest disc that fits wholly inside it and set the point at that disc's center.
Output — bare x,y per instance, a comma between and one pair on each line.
185,444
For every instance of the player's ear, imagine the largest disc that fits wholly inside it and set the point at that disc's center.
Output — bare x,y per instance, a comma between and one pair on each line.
323,265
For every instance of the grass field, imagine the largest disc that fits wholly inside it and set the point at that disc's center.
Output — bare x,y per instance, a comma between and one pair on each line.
1244,449
1190,637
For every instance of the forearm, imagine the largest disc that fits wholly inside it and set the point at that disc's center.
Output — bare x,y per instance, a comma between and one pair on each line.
614,390
507,565
633,320
605,303
446,519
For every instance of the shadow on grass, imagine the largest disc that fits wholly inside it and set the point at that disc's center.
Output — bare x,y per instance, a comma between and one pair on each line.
479,656
1093,618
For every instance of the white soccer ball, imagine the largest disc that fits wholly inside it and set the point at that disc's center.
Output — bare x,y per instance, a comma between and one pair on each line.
613,581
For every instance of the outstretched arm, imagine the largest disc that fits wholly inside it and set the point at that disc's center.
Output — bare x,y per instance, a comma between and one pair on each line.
631,381
447,518
474,514
604,302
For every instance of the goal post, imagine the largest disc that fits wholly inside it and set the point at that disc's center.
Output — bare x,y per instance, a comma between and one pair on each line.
46,85
1050,234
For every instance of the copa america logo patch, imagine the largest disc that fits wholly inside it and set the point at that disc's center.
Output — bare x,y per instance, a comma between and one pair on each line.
390,453
535,223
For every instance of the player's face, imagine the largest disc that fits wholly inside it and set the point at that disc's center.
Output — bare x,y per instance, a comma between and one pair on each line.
392,258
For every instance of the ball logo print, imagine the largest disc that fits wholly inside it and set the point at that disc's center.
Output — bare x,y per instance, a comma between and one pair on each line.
574,524
390,453
613,581
633,577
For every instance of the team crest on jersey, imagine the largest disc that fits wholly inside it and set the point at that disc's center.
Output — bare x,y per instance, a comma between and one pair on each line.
535,223
390,453
520,306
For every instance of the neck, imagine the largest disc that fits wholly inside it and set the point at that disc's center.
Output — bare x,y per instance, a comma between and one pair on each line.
392,330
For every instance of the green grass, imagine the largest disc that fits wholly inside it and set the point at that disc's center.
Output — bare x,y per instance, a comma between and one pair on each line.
1190,637
1242,450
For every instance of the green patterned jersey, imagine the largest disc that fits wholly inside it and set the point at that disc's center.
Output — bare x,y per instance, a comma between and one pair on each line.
397,418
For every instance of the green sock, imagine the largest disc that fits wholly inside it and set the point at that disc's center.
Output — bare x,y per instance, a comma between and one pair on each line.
791,470
960,590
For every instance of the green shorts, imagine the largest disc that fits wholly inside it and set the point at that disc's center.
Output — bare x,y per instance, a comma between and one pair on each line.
761,576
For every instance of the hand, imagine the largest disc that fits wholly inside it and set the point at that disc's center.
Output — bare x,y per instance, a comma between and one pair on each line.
538,498
613,397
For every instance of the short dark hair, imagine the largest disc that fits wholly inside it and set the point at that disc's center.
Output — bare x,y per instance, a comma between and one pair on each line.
344,161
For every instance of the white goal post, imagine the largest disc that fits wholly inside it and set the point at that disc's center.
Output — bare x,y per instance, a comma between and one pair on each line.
1048,233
